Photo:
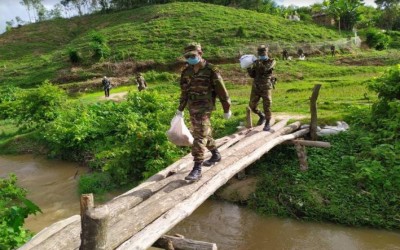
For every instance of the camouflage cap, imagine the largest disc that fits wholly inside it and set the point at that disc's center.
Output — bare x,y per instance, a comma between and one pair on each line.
262,50
192,48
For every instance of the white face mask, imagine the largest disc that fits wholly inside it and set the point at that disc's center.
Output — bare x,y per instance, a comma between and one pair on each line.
263,57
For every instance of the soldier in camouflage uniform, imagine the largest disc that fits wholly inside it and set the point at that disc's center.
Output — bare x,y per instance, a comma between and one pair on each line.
106,86
141,82
261,71
200,84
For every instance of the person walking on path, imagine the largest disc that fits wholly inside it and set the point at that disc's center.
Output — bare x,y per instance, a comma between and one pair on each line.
201,83
141,82
285,54
106,86
333,50
261,72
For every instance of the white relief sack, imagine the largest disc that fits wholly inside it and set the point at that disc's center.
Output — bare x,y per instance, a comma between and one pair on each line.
246,61
179,134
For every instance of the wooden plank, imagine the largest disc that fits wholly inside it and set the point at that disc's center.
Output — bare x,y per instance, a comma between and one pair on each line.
158,227
319,144
134,219
50,231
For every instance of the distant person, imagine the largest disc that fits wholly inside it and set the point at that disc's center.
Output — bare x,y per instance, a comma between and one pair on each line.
285,54
333,50
201,83
106,86
141,82
261,72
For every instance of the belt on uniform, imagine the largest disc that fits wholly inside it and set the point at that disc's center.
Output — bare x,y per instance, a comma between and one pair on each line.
199,97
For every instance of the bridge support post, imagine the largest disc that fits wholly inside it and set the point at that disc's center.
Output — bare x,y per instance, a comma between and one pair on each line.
94,222
249,122
313,109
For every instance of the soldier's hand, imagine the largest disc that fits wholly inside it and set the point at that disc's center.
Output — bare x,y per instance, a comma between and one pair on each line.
228,115
179,113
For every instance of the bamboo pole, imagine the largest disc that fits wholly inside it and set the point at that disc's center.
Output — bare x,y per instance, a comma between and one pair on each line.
313,110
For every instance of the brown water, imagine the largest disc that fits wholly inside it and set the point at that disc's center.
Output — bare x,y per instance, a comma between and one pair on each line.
52,185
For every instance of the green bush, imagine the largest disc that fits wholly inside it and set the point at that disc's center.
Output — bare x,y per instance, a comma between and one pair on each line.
14,209
8,98
98,45
36,107
126,140
377,39
74,55
241,32
98,183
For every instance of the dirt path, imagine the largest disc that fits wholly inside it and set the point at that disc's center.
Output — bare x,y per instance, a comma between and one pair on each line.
116,97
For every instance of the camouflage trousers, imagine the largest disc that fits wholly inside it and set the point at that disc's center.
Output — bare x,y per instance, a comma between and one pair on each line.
202,135
263,91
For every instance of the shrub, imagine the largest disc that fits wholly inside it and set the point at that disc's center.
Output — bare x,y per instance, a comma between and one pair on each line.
241,32
14,208
39,106
74,55
99,45
377,39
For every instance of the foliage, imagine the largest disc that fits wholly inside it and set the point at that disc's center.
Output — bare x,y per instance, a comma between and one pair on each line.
8,97
98,45
377,39
356,182
151,36
39,106
345,11
74,55
127,140
14,208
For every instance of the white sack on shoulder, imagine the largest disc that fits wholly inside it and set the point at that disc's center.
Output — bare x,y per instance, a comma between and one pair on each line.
246,61
179,134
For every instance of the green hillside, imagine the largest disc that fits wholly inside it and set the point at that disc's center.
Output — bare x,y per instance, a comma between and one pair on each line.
151,35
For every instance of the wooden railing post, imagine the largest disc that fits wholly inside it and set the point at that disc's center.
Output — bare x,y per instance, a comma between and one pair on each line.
249,122
94,222
313,109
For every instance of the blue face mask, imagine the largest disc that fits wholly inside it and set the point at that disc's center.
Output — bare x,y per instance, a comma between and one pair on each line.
193,60
263,57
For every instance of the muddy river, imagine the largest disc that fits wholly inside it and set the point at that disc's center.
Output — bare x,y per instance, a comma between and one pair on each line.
52,185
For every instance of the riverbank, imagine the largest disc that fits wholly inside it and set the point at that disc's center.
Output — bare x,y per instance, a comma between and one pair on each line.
52,185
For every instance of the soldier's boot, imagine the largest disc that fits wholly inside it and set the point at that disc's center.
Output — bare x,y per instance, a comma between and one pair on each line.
262,118
267,127
215,157
195,174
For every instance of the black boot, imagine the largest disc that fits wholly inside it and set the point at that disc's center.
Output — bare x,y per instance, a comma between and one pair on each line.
215,157
267,127
195,174
262,118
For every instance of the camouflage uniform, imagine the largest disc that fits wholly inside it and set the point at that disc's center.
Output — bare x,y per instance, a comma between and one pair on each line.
261,71
141,82
199,91
106,86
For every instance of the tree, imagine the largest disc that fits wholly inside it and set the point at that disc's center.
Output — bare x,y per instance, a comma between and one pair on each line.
28,6
390,17
346,12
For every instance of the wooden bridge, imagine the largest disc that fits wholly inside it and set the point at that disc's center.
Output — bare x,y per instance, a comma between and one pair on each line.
140,217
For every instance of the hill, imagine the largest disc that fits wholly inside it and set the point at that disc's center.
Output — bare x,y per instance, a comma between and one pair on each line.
149,37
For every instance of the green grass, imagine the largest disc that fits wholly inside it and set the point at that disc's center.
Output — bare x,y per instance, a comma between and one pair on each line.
154,34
